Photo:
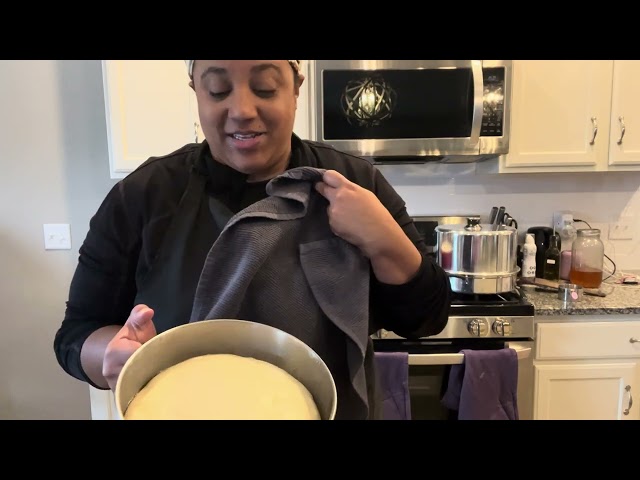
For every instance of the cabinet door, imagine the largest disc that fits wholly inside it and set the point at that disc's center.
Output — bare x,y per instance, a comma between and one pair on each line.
149,110
586,391
302,125
624,146
560,116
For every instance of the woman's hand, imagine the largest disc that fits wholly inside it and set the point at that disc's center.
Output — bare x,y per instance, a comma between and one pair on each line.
137,330
357,216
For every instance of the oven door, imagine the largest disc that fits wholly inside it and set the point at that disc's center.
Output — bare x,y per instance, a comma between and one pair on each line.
429,374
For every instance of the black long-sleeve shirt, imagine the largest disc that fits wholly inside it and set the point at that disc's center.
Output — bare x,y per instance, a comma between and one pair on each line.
126,234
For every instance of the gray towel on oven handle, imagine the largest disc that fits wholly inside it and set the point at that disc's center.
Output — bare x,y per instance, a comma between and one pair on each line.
268,231
485,386
392,369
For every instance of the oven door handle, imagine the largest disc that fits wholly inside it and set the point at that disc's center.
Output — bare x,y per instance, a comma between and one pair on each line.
454,358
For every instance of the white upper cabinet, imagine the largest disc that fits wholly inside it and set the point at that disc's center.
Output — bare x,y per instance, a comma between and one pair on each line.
560,115
303,122
149,108
624,143
567,116
152,111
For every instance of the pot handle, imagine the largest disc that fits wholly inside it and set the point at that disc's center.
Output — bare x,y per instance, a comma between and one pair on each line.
473,224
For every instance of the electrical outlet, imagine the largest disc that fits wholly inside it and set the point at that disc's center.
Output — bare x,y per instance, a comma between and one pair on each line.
622,229
558,218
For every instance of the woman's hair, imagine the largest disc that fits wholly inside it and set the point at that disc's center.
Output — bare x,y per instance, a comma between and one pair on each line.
295,65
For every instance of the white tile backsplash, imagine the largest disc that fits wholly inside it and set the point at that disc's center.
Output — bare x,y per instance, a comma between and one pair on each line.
456,189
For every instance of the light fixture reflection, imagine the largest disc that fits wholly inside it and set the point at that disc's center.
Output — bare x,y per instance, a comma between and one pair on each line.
368,101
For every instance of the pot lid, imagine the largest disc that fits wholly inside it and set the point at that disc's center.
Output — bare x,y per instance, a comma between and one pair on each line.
474,227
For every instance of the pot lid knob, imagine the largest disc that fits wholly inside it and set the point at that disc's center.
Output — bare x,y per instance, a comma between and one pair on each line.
473,224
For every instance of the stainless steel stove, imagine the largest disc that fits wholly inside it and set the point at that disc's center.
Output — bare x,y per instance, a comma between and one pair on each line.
476,321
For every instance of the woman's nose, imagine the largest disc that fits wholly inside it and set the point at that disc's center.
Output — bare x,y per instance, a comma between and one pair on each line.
242,104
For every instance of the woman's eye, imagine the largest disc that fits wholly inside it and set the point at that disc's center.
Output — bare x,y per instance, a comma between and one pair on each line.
219,95
265,93
258,92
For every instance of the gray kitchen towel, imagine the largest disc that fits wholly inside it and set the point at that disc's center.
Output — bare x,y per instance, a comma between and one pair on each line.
485,386
277,262
393,383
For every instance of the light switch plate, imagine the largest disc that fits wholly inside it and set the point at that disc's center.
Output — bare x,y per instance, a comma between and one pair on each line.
57,236
622,229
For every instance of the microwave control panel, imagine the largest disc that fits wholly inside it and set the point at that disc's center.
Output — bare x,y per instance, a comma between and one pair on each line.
493,101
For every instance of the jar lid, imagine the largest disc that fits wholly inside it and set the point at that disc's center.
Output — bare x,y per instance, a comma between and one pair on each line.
589,232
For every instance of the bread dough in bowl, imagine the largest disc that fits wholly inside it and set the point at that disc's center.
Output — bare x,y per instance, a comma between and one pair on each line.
223,387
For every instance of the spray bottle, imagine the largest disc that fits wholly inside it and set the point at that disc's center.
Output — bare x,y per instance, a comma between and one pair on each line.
528,274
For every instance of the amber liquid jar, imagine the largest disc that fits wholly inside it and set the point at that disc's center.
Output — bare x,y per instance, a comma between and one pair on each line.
587,259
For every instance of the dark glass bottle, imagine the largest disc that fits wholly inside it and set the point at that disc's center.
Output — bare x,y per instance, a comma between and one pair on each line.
552,260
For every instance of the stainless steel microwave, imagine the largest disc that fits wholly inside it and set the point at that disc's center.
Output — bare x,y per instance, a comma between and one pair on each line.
413,111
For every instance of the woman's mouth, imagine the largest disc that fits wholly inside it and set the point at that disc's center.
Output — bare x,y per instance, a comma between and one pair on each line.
245,136
245,141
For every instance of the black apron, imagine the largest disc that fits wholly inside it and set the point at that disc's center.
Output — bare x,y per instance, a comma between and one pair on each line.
169,286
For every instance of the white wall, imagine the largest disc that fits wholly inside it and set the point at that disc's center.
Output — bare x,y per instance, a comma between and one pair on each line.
598,198
54,169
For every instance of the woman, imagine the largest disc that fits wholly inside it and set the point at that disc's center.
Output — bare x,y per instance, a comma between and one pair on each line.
141,262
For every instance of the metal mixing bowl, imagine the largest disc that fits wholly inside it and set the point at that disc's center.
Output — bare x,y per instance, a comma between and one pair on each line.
239,337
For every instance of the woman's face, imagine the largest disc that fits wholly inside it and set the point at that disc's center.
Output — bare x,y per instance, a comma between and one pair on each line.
247,110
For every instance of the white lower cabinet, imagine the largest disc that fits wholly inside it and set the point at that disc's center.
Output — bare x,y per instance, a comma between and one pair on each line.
103,404
587,371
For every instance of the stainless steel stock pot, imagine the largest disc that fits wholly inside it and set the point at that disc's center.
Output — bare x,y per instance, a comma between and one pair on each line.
478,258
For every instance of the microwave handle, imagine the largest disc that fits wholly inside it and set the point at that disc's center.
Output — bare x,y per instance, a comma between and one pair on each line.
478,100
455,358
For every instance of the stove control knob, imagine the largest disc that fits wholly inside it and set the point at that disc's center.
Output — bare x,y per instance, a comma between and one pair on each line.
478,327
502,327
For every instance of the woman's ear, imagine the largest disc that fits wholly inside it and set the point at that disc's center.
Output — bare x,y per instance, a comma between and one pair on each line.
298,83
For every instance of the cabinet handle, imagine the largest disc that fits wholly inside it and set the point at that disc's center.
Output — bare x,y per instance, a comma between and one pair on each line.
595,130
628,389
622,129
633,340
195,131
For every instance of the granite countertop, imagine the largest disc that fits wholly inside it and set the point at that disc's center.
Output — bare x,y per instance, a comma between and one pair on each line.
620,299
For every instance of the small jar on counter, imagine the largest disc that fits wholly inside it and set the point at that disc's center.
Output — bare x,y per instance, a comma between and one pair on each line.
587,259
